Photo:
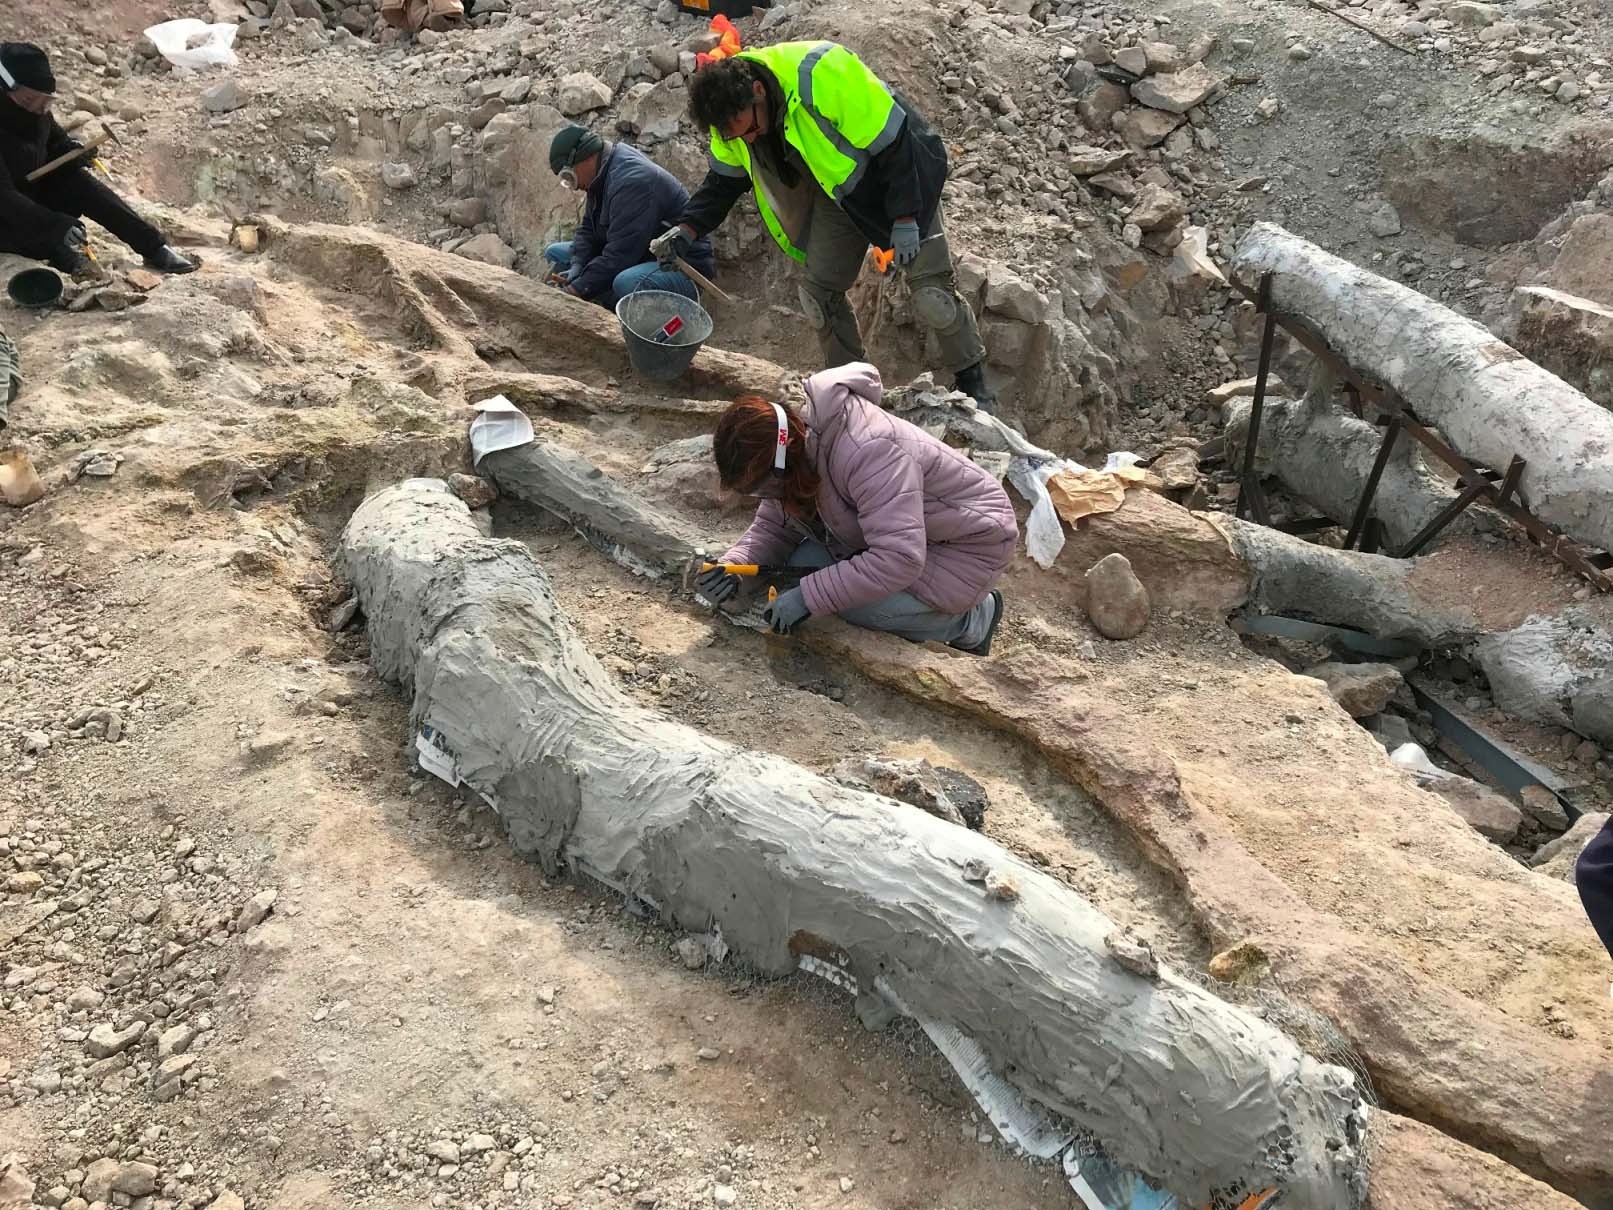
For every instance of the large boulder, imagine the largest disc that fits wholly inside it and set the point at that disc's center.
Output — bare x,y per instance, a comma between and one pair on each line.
489,249
1117,602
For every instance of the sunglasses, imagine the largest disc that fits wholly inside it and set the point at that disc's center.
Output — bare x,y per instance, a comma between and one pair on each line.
751,128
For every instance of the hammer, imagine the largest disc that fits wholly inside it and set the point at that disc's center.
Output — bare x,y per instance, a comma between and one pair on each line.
88,149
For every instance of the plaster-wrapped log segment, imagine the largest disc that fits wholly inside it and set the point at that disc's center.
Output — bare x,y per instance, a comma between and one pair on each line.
1195,1093
1488,401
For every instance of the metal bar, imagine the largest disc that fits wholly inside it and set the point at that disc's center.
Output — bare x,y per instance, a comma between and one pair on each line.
1364,506
1358,641
1513,770
1446,515
1509,485
1305,525
1258,406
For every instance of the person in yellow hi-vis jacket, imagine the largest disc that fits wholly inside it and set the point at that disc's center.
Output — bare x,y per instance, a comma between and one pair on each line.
838,161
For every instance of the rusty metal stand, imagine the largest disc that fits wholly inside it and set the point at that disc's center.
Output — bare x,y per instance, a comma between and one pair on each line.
1477,482
1251,497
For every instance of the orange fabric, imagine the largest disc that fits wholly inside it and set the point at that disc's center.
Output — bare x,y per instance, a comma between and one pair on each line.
729,44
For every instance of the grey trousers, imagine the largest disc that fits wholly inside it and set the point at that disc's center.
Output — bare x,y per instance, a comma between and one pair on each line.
835,251
904,614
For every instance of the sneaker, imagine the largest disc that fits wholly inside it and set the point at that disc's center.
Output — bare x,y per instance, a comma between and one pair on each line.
983,647
972,382
169,259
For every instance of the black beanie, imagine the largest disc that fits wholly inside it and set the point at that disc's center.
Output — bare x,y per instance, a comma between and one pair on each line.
27,66
572,144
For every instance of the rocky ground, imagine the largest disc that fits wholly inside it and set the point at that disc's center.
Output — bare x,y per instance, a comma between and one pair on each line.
251,954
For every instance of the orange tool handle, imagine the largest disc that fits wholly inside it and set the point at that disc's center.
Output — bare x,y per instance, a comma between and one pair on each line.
883,258
734,569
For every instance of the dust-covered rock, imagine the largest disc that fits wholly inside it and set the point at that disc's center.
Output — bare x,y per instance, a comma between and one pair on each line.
1117,602
582,92
1362,689
1556,858
489,249
1492,815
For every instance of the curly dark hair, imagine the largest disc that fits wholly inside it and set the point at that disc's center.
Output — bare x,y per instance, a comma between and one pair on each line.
720,92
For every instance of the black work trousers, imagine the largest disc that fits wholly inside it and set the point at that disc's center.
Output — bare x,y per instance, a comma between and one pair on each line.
77,193
1593,873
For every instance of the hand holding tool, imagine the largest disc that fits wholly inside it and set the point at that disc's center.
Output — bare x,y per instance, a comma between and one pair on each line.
669,248
716,584
787,611
106,136
905,241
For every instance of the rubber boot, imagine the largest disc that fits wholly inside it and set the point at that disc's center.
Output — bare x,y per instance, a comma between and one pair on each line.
972,382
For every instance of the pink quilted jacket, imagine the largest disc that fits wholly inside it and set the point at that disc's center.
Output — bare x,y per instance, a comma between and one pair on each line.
903,511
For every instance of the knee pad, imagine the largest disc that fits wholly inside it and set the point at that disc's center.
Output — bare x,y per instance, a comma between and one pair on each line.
936,308
812,307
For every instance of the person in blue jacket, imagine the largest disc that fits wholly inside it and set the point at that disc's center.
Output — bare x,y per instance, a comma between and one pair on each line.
630,199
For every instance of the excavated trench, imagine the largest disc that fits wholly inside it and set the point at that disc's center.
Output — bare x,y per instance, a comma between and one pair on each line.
1135,822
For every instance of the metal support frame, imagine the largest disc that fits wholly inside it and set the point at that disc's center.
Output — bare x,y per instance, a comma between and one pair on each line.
1504,499
1251,497
1364,506
1479,487
1511,768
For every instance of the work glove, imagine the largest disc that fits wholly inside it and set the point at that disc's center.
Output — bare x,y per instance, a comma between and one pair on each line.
717,585
76,236
672,244
905,240
786,613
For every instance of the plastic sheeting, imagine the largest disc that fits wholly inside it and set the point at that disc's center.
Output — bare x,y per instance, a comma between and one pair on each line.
195,44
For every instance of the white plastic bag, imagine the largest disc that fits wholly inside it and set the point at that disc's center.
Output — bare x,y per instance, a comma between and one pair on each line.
1044,532
1414,760
499,425
195,44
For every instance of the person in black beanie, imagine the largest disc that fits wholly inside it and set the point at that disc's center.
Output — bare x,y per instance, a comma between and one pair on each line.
41,219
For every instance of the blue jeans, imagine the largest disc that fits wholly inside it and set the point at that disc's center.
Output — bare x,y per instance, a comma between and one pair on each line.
903,614
648,276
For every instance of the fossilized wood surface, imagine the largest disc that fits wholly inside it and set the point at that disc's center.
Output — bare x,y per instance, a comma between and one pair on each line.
554,392
1485,397
1356,855
1180,1085
1415,1167
573,489
1323,454
459,306
1240,834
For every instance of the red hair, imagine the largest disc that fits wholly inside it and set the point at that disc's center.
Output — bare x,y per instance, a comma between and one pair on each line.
744,445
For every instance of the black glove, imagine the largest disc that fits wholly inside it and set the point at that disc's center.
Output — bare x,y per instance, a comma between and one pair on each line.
717,585
786,613
76,236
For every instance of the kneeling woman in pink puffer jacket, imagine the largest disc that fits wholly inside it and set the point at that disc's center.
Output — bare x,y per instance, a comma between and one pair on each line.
907,535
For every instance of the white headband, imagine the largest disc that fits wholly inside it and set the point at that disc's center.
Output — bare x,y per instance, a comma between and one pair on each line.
783,439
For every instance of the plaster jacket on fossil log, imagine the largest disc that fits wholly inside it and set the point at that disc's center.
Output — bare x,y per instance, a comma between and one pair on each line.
1196,1094
1488,401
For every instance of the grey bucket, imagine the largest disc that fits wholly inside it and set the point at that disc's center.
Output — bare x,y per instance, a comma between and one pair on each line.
644,313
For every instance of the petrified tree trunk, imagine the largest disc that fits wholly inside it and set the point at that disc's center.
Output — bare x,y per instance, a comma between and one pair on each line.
1485,397
1324,455
1196,1094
